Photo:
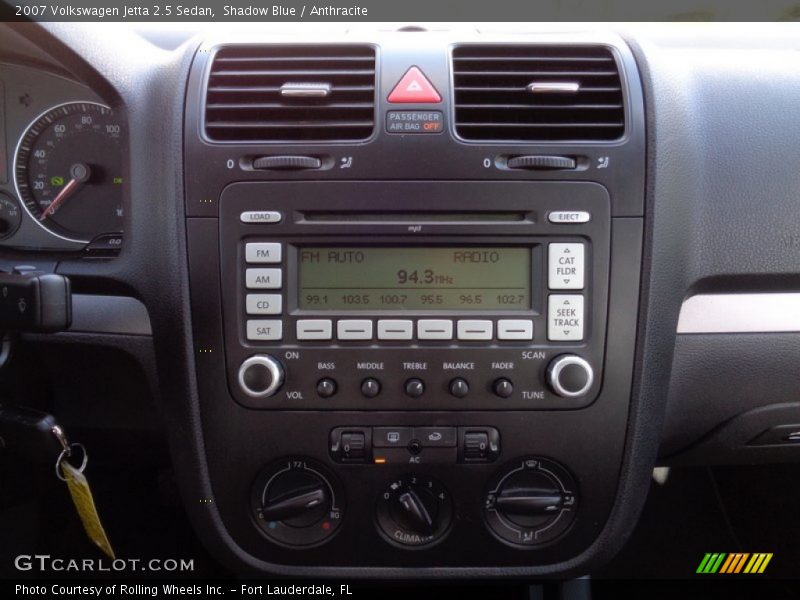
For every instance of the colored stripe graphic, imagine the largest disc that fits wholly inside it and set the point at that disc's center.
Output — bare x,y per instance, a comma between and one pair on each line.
767,558
727,564
740,563
736,562
714,566
703,563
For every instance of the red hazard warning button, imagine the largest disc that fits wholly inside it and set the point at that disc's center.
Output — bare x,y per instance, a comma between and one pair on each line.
414,87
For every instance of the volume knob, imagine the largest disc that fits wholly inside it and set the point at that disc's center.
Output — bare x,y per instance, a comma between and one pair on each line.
570,376
260,376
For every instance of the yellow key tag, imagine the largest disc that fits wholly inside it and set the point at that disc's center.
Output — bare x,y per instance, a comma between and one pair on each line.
84,503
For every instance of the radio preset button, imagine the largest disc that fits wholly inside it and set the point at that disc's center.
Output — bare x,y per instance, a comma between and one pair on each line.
515,329
475,330
565,266
261,216
263,252
395,329
565,318
326,387
569,217
415,387
314,329
435,329
459,387
264,330
265,279
370,387
355,329
264,304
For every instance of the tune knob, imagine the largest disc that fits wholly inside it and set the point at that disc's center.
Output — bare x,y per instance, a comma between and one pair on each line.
260,376
570,376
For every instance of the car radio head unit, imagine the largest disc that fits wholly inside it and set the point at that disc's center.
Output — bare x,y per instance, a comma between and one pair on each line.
439,306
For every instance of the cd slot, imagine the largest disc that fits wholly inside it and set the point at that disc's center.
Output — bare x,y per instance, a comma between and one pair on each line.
409,218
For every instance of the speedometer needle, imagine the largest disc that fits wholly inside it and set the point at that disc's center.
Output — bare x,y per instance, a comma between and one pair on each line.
65,192
80,173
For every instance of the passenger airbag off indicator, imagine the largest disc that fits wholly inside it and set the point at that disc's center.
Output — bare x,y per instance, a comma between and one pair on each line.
414,121
414,88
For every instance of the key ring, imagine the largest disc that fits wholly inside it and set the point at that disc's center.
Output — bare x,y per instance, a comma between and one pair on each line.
66,453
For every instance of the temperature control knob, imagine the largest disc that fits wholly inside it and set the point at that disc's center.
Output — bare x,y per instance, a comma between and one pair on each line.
414,511
570,376
531,503
260,376
296,503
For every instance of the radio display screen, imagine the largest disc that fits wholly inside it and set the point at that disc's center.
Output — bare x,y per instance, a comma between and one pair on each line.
414,278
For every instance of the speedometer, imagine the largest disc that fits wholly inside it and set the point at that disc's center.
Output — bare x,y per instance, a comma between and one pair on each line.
68,171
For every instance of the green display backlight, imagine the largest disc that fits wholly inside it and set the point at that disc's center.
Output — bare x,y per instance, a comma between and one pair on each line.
414,278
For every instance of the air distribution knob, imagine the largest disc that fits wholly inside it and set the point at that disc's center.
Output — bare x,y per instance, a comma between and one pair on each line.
531,502
260,376
570,376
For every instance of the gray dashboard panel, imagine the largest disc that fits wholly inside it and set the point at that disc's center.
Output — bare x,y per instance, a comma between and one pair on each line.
722,215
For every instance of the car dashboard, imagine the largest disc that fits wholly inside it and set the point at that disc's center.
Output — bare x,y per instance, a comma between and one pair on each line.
411,303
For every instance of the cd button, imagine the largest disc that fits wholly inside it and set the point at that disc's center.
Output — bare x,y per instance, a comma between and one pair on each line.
264,304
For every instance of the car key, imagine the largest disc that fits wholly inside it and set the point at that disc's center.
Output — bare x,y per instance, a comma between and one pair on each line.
36,436
31,434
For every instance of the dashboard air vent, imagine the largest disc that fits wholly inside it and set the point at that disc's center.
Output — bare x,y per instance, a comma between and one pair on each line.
537,93
291,93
